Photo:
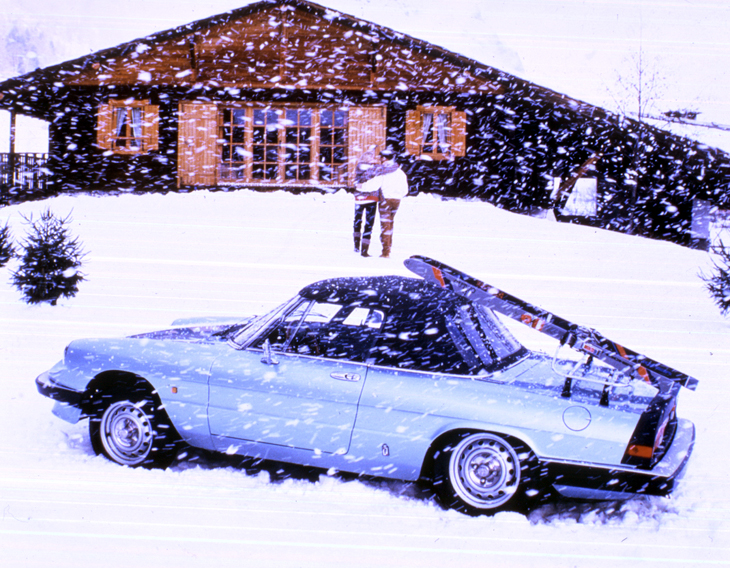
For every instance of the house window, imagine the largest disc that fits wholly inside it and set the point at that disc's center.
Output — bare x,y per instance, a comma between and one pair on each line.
436,131
233,143
298,126
333,144
265,144
128,126
283,144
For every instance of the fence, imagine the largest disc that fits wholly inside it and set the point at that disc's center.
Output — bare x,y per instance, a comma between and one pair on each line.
23,173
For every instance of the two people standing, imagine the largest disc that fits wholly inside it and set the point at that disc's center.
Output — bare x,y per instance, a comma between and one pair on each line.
382,186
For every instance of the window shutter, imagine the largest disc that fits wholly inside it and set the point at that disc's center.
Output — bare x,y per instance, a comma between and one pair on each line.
151,127
104,127
197,158
366,128
458,133
414,132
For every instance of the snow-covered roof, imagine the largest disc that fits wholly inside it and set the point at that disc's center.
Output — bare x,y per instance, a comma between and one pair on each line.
70,72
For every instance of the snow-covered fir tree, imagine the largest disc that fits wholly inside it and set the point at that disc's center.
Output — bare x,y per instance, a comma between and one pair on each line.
7,250
50,261
718,283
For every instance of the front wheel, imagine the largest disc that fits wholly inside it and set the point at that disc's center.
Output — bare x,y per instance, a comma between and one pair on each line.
134,433
483,473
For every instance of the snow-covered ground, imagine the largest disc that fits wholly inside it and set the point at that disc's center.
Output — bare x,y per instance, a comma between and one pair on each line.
154,258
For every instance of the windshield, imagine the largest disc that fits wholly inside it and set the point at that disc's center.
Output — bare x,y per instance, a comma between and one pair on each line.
246,335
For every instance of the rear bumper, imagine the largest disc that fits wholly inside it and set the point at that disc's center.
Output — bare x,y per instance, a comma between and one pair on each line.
591,481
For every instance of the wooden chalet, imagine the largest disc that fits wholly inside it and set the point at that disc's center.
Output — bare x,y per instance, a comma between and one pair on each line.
289,94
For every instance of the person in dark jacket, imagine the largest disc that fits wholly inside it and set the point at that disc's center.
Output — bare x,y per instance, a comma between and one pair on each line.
367,195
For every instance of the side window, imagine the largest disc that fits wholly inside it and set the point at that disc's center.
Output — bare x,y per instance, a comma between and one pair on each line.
482,338
324,329
365,317
321,313
422,342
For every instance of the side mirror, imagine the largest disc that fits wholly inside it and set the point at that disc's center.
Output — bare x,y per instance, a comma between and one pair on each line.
267,357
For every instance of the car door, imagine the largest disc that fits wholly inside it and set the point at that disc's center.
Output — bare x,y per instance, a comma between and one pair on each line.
298,383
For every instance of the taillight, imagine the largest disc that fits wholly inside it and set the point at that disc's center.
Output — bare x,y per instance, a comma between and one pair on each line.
638,451
646,445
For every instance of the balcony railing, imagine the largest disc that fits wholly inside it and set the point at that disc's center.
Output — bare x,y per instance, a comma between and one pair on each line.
23,173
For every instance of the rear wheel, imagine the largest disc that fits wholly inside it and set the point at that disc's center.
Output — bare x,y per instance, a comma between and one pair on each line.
134,431
480,473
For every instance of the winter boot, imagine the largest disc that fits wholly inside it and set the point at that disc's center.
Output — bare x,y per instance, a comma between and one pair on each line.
357,241
365,247
386,240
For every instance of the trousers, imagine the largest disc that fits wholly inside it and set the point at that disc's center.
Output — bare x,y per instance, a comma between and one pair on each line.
362,228
387,209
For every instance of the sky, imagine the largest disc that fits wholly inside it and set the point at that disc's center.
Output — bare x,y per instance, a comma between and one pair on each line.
576,47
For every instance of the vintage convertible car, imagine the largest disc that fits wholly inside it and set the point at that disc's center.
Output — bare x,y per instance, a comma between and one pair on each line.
393,377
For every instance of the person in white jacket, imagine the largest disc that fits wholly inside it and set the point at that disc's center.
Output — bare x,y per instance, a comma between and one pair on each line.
393,187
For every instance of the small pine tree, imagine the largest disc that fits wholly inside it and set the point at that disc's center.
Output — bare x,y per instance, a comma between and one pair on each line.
7,250
49,262
718,283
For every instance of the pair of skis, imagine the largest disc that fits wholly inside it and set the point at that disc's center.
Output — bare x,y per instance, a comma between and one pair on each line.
581,338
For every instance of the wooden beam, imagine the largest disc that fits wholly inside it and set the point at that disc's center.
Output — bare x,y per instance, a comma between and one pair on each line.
193,42
284,45
373,63
193,57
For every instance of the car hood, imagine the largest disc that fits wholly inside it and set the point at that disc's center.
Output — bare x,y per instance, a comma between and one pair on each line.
198,330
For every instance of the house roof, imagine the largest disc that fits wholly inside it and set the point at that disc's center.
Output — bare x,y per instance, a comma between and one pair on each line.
194,56
171,57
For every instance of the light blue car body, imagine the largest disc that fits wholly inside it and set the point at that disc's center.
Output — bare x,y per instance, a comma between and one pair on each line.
369,418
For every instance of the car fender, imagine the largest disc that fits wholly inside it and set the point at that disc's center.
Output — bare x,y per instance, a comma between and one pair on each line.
177,371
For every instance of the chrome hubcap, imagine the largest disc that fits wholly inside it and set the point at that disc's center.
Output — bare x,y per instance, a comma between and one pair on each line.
126,432
484,471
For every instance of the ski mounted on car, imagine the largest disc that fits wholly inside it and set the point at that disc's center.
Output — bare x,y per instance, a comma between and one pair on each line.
581,338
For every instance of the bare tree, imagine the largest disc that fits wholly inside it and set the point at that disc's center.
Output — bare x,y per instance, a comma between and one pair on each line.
639,86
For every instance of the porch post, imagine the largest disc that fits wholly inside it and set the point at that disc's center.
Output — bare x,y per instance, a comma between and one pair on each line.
11,156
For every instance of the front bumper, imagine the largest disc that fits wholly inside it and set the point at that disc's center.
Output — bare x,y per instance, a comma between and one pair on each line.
591,481
48,387
68,401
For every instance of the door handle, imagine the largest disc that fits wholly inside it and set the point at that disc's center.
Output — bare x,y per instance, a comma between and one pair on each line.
352,377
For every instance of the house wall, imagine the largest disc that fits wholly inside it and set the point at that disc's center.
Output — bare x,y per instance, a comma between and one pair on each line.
515,146
519,136
79,165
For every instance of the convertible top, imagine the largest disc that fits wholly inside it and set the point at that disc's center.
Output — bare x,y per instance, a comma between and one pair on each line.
381,291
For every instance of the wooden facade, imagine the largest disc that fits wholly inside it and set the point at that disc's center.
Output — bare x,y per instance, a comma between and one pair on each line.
289,94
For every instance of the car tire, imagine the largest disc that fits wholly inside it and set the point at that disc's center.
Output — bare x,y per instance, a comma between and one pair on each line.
483,473
134,431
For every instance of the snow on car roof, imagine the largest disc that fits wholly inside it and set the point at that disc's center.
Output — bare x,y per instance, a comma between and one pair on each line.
380,290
